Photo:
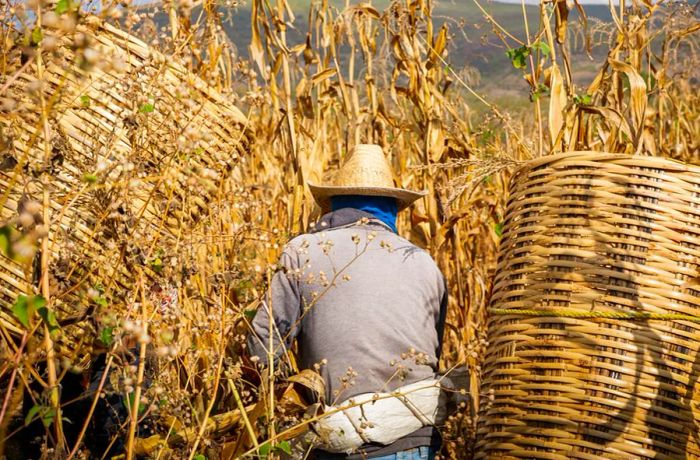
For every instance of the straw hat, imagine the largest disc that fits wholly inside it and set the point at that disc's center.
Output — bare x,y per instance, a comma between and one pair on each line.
367,172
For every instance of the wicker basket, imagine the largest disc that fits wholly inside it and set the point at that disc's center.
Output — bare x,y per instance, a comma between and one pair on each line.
599,256
137,150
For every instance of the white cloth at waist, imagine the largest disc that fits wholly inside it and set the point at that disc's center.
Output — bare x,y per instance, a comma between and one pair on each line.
380,417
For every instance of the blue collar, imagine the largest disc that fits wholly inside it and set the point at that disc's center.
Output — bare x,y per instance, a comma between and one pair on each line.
382,207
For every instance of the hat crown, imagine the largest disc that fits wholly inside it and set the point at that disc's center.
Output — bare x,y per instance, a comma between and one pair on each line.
365,172
366,167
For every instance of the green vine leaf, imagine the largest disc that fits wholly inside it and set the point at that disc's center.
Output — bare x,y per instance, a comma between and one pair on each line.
6,233
284,447
542,47
147,108
498,229
107,335
49,318
24,308
518,56
36,36
31,414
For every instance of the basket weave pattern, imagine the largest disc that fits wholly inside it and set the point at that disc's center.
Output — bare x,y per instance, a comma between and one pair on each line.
125,129
595,232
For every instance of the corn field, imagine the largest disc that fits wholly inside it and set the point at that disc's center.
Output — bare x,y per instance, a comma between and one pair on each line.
151,172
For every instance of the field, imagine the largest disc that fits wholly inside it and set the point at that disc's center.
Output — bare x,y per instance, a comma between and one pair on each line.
473,48
149,186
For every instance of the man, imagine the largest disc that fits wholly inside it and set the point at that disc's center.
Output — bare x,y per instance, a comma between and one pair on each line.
368,310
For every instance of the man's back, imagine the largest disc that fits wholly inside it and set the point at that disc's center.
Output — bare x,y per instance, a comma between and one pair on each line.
366,306
363,302
370,306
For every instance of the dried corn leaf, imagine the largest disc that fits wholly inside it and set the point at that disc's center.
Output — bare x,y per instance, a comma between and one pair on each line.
257,52
368,9
311,380
638,95
562,20
440,45
323,75
612,117
557,103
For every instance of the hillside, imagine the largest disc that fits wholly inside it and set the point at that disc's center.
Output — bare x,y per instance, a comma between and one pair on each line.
475,51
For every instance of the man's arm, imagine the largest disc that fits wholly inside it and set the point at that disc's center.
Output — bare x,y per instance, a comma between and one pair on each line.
442,318
284,300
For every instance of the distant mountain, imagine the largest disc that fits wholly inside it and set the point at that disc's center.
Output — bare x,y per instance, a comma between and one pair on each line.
473,44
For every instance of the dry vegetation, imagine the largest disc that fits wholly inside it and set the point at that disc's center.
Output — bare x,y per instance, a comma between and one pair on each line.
185,202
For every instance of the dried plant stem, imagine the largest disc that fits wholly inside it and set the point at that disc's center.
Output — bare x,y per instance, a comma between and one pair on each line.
296,218
15,76
271,367
533,73
134,409
244,415
217,379
481,99
15,367
495,23
217,424
54,394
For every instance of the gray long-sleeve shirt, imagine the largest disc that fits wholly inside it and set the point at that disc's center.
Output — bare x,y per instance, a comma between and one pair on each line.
364,303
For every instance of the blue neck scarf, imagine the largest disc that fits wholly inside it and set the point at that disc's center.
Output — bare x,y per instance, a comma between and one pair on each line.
383,208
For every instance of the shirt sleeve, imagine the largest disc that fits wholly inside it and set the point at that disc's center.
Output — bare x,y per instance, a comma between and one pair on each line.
442,318
284,302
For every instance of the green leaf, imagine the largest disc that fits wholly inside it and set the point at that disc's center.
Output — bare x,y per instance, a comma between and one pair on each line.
89,178
21,310
541,90
107,335
518,56
498,228
36,36
249,314
47,416
6,241
199,457
31,414
85,100
264,450
129,403
62,6
24,308
284,447
542,47
101,301
49,318
157,265
586,99
147,108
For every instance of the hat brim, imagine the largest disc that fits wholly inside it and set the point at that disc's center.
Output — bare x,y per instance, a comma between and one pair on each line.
323,193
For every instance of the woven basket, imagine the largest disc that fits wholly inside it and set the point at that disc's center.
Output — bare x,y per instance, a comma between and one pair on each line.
593,326
138,149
